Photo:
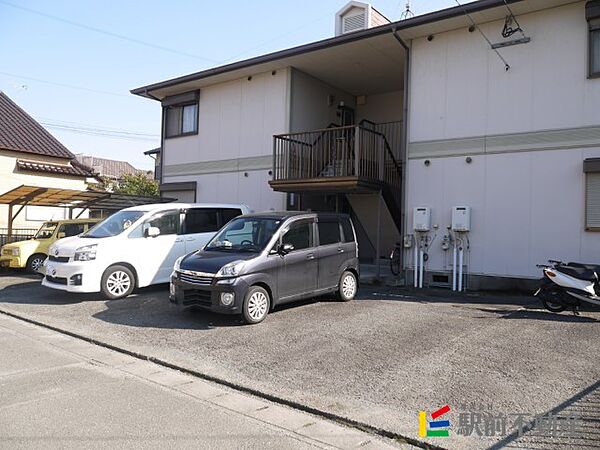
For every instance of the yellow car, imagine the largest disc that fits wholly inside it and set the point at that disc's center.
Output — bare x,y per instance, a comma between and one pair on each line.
31,254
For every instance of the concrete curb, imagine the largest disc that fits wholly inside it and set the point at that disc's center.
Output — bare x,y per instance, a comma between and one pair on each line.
361,426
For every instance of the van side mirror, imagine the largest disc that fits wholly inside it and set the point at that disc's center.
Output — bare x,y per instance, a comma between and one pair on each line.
60,235
152,231
284,249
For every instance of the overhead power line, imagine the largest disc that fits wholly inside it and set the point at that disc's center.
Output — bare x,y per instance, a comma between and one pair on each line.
69,86
107,33
93,130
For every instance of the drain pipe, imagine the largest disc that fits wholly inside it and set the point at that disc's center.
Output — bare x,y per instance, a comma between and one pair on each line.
404,142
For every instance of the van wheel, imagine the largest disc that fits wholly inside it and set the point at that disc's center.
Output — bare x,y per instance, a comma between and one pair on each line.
348,286
35,262
256,305
117,282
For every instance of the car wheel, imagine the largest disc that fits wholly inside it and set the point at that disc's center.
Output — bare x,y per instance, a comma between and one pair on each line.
257,303
35,262
348,286
117,282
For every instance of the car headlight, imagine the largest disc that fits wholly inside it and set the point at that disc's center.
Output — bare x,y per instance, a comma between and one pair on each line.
233,269
87,253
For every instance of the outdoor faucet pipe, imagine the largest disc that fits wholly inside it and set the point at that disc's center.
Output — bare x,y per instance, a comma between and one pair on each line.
460,267
454,266
421,264
416,263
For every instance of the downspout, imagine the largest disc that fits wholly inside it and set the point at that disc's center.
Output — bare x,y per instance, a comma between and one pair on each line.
405,137
162,137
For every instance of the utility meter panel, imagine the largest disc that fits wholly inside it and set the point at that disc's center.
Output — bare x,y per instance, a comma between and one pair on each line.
461,218
422,218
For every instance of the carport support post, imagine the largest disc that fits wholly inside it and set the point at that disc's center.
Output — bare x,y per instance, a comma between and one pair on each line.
378,239
10,222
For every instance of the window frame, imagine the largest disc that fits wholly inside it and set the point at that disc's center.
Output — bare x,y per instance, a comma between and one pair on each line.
591,167
593,20
592,29
180,102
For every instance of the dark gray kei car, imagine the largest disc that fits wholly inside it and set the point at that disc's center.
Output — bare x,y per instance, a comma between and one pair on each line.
258,261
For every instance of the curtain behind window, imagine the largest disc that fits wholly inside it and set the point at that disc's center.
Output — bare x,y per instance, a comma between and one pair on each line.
190,120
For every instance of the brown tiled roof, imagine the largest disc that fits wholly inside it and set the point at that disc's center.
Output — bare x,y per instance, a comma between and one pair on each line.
21,133
108,167
59,169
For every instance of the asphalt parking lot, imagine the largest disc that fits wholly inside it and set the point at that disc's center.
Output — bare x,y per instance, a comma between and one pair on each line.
376,360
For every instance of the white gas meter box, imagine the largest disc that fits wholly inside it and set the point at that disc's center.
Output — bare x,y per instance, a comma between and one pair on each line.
461,218
422,218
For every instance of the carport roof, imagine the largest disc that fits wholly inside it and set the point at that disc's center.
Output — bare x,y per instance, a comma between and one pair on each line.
71,198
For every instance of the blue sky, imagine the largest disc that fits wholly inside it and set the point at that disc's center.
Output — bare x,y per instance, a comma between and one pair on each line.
43,47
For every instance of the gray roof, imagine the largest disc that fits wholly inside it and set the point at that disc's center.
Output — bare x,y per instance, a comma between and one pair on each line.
21,133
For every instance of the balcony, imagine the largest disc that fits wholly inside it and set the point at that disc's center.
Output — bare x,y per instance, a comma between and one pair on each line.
338,159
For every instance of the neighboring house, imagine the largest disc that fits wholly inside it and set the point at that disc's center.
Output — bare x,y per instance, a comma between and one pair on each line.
109,168
155,155
420,112
30,155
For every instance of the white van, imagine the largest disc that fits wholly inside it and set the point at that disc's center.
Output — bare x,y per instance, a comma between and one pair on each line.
134,247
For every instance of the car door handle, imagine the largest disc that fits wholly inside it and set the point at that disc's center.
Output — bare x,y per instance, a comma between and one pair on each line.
178,240
190,239
340,250
310,256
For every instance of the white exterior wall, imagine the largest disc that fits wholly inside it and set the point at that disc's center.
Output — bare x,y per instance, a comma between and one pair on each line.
525,185
381,108
459,87
309,106
236,124
10,179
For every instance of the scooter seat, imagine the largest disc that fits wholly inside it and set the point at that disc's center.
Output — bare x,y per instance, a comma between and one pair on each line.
594,267
579,272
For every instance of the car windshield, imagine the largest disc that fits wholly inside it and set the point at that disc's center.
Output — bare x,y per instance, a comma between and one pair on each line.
245,234
46,230
113,225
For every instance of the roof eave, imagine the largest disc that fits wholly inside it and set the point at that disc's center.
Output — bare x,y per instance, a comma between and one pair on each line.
448,13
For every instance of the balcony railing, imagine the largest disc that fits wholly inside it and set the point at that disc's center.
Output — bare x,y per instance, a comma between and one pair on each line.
356,151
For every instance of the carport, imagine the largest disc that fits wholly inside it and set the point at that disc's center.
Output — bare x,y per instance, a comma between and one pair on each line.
72,199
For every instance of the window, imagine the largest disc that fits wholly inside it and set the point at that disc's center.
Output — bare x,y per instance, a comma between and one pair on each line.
592,13
181,120
329,232
591,168
200,221
348,232
46,230
71,229
229,214
592,201
115,224
167,223
300,235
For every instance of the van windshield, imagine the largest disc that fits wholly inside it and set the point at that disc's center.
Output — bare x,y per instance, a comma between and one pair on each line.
113,225
46,230
245,234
